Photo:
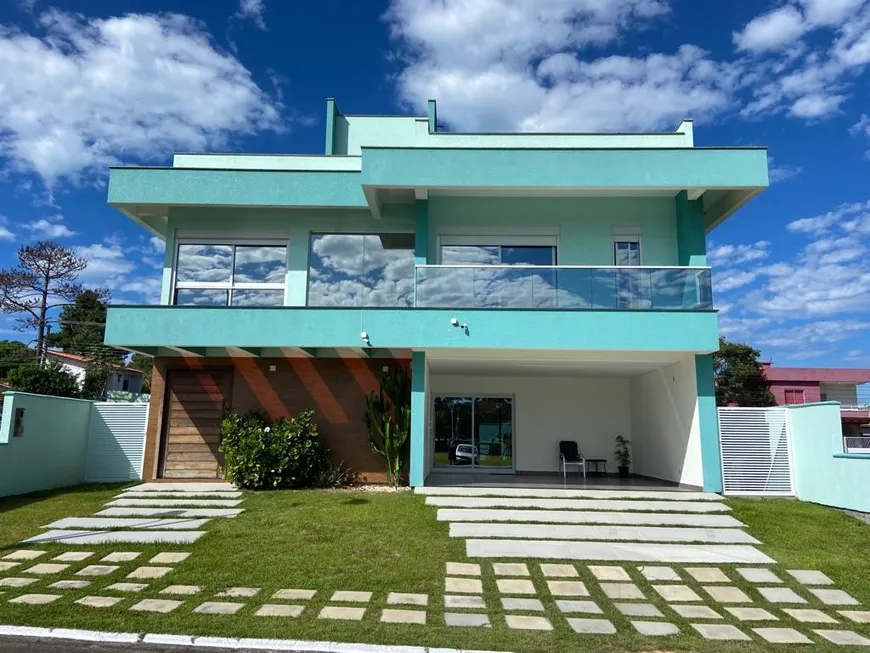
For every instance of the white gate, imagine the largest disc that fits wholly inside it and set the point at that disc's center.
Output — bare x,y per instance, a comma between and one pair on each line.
755,444
116,443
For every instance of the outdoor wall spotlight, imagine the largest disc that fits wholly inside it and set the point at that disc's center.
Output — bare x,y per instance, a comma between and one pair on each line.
458,324
365,336
454,321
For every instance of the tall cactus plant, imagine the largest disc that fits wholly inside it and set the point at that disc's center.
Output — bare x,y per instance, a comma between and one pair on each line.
388,419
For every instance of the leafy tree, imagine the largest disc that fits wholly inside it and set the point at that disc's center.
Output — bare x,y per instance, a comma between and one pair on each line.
14,353
44,279
739,379
82,327
48,379
144,364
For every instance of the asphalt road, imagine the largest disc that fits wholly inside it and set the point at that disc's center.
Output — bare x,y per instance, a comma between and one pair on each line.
34,645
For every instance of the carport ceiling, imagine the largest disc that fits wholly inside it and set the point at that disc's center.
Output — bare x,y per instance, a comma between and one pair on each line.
519,367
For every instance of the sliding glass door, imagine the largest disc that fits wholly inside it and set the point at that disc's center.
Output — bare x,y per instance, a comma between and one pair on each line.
473,432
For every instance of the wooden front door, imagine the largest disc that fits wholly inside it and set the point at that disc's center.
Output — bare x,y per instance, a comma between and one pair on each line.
192,423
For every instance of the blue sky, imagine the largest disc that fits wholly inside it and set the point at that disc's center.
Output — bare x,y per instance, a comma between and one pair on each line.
86,84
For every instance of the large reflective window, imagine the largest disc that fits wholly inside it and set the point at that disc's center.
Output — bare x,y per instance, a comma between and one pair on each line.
361,270
204,263
260,264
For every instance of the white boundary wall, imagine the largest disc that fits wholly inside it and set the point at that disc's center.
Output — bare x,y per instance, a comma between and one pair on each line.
756,451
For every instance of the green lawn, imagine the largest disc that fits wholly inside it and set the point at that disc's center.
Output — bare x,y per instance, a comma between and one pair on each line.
383,542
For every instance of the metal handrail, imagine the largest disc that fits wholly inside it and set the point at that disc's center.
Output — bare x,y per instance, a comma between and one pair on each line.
565,267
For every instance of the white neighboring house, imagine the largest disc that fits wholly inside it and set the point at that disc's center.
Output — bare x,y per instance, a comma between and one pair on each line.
121,378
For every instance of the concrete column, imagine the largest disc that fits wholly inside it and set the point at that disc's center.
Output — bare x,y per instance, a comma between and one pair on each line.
419,392
708,422
421,236
296,291
432,114
691,239
168,260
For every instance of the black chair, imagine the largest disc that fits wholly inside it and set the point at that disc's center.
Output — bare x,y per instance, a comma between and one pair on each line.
569,454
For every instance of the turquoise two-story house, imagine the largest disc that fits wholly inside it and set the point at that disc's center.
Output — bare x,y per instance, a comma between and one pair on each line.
541,287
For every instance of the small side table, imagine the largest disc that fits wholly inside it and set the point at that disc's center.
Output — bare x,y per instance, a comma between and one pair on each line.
600,465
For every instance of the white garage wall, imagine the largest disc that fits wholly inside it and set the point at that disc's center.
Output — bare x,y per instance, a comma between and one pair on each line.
591,411
666,440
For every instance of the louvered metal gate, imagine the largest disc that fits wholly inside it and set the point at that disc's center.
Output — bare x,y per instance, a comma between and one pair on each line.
116,444
755,445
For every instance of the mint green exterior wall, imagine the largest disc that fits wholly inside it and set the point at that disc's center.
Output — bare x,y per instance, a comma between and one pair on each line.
691,239
419,393
708,420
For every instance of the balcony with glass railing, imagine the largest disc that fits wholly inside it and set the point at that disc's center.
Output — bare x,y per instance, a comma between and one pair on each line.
563,287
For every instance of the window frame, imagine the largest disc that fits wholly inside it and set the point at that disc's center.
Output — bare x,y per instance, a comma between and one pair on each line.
230,285
626,238
470,240
794,391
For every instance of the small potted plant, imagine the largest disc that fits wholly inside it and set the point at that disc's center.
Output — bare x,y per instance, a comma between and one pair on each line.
623,455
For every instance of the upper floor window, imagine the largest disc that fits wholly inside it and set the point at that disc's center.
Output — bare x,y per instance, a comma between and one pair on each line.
230,274
498,255
626,252
794,397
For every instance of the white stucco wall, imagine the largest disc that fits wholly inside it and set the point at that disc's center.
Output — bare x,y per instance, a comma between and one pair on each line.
592,411
666,435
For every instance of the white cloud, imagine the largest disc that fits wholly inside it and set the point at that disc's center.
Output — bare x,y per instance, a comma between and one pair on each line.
813,333
5,234
52,227
778,173
821,223
723,255
816,105
771,31
254,10
733,279
85,93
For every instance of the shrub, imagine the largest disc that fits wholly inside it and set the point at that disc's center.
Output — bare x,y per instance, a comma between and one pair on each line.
48,379
286,453
388,419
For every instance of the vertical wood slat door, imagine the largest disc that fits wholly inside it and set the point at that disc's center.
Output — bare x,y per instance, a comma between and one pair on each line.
195,401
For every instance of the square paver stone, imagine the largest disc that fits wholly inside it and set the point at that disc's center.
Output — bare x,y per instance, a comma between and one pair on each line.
294,595
149,572
833,597
579,607
70,584
756,575
239,592
843,637
615,574
346,596
665,574
655,628
97,570
35,599
781,595
169,558
721,632
398,598
279,610
45,568
462,569
510,569
466,619
127,587
463,585
24,554
464,602
809,616
73,556
727,594
7,565
752,614
121,556
156,605
182,590
12,581
696,612
522,605
558,571
810,577
677,593
622,591
782,636
520,622
707,574
395,616
567,588
858,616
510,586
99,601
218,607
639,610
342,613
592,626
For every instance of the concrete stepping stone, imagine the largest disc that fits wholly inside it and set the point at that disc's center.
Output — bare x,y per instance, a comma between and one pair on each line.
727,594
73,556
466,620
97,570
294,595
622,591
521,622
758,575
575,504
781,595
149,572
121,556
623,533
809,616
677,593
522,605
100,523
809,577
159,502
175,495
611,551
782,636
177,513
6,566
843,637
752,614
345,596
567,588
655,628
239,592
169,558
707,574
35,599
858,616
187,488
578,607
279,610
463,569
510,586
833,597
218,607
127,587
544,493
341,613
24,554
592,626
615,574
721,632
696,612
639,610
70,584
510,569
398,616
116,537
156,605
463,585
46,568
182,590
98,601
558,571
455,515
454,602
661,574
12,581
399,598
